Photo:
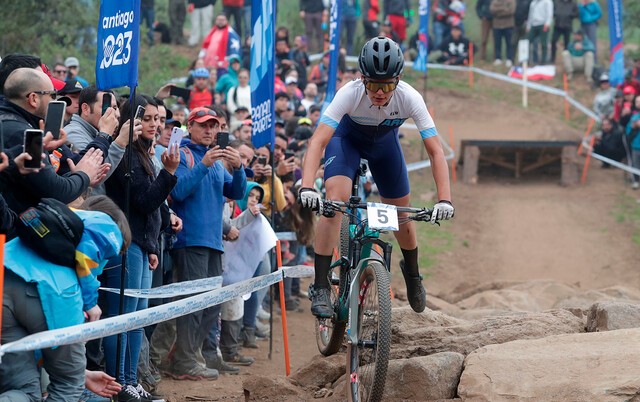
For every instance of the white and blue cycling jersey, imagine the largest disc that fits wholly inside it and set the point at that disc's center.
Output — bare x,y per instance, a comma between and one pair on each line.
371,132
406,103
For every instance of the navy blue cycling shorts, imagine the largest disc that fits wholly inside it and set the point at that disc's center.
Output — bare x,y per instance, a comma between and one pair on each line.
384,154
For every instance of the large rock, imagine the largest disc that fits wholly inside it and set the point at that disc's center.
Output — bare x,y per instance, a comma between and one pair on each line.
263,388
320,371
424,378
538,295
608,316
575,367
431,332
584,300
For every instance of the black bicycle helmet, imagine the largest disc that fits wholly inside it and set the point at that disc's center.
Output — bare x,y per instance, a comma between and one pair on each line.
381,59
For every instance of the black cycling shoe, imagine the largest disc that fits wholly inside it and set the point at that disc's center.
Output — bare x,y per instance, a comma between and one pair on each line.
321,305
416,294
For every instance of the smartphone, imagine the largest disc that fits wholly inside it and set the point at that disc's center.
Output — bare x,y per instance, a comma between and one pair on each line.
55,118
139,113
33,146
106,102
177,134
262,160
183,93
289,154
222,140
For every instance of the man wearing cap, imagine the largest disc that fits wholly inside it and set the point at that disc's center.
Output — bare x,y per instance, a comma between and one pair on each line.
605,98
198,199
579,56
294,102
71,90
201,95
73,67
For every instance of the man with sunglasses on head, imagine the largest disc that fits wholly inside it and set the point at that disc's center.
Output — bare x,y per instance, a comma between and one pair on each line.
362,121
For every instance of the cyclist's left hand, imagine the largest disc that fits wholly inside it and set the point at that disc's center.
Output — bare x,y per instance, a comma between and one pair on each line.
442,211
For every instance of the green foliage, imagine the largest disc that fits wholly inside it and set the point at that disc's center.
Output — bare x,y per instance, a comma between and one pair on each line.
50,29
627,211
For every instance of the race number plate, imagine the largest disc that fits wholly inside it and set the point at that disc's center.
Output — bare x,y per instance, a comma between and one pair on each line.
382,216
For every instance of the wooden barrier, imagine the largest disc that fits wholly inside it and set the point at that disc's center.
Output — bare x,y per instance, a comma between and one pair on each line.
520,157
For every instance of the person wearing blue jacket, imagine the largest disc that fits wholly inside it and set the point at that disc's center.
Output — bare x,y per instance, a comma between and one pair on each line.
633,139
198,199
40,295
590,13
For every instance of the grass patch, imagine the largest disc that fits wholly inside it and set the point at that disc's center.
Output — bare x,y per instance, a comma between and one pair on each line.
628,211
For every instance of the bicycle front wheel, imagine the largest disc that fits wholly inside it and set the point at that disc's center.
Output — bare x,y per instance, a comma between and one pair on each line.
367,361
330,331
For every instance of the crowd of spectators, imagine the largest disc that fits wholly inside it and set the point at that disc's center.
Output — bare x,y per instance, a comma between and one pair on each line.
186,201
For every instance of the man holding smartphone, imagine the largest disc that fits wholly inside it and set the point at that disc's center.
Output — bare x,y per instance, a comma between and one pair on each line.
90,123
28,92
198,198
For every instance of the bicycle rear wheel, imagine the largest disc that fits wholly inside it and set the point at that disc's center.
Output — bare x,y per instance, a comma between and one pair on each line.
368,360
330,331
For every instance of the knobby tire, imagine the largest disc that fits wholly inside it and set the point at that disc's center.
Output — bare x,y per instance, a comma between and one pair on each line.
367,362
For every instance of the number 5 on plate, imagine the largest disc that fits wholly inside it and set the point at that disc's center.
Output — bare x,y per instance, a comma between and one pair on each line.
382,216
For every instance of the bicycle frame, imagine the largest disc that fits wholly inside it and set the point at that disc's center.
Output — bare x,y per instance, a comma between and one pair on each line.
360,252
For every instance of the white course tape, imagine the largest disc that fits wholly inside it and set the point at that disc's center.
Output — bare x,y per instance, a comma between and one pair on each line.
139,319
173,289
289,236
298,271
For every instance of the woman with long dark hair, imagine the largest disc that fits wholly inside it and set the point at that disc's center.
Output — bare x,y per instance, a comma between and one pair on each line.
147,193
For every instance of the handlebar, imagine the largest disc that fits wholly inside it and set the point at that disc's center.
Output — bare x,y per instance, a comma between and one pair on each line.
328,208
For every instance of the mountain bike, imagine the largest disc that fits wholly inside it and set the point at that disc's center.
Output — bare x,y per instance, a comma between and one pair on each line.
361,291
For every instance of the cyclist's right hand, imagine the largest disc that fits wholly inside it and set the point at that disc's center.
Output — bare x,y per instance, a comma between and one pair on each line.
309,198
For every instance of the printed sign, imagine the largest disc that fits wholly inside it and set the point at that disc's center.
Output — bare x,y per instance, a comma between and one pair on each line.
118,43
382,216
262,74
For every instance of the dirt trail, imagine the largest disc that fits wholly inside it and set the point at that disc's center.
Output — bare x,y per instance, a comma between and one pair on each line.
504,230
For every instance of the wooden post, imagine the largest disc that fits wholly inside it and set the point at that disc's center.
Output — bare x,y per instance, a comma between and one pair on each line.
586,134
285,334
471,65
2,240
525,94
454,175
586,161
470,169
565,81
570,170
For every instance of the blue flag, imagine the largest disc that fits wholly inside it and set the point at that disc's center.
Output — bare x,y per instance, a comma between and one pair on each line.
118,43
616,67
334,49
420,63
262,78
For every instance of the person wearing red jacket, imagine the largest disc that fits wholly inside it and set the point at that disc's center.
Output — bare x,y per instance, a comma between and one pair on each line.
370,11
201,94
